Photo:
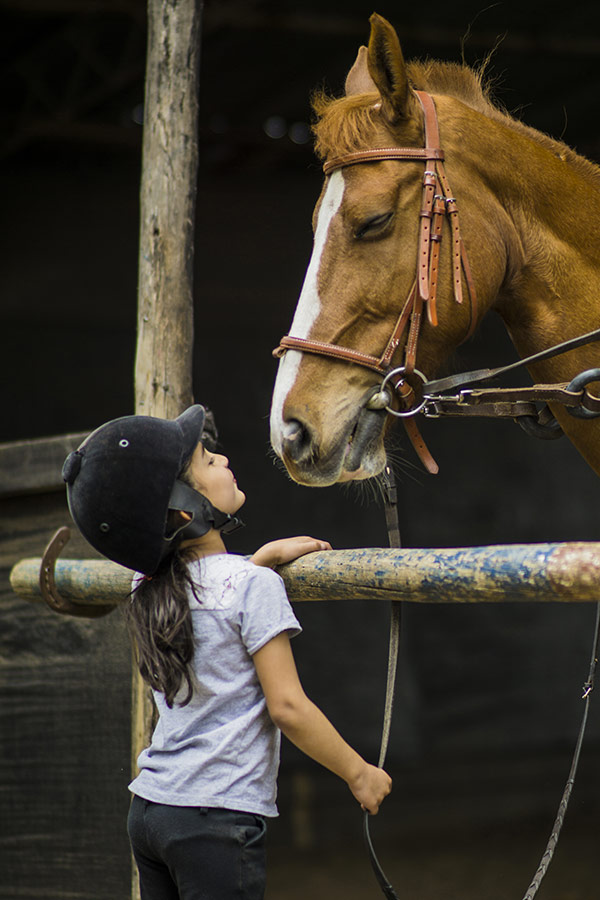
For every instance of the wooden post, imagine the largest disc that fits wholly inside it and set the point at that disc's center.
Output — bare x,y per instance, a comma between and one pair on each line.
163,368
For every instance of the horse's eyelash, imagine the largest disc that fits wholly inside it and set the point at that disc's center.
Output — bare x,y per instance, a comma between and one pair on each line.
375,223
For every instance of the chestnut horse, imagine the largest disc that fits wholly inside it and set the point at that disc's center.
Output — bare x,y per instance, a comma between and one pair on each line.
528,246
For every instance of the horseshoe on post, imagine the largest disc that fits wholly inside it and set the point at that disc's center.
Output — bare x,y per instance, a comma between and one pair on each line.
48,584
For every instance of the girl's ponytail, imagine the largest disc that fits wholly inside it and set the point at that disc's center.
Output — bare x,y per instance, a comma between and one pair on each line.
159,621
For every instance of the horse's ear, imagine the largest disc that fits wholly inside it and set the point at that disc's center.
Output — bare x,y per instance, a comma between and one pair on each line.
388,70
358,80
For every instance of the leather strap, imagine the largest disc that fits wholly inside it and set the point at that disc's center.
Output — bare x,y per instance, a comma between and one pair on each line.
379,154
322,348
393,530
396,336
453,381
429,186
537,393
439,208
451,406
420,447
410,350
564,802
511,402
380,365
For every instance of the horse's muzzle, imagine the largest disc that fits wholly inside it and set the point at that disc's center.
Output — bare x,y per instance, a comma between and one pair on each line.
296,442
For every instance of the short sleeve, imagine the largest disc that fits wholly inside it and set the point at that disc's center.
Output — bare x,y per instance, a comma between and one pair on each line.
264,609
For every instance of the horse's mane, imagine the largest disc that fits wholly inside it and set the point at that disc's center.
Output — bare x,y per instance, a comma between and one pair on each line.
347,124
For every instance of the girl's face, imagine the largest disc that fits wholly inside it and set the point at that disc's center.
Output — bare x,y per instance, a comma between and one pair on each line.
211,475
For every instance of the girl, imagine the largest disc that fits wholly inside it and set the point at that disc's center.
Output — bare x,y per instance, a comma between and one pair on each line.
212,633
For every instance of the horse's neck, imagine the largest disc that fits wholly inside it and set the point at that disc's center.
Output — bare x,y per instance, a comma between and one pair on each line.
554,293
554,290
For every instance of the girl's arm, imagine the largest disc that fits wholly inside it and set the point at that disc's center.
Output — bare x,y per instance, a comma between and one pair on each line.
276,553
304,724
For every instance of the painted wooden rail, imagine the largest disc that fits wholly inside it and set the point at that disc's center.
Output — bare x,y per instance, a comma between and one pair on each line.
564,572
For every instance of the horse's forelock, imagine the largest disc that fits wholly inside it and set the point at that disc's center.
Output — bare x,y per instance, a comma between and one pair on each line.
352,123
345,124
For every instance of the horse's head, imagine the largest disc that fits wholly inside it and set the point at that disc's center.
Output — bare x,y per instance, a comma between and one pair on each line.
364,270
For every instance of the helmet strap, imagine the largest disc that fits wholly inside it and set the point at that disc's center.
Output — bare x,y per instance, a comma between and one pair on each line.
204,515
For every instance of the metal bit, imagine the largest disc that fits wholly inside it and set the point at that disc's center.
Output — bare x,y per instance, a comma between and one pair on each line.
380,400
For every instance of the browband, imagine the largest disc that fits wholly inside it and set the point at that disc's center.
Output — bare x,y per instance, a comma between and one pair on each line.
350,159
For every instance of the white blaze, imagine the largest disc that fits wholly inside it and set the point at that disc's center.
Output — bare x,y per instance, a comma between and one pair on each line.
308,307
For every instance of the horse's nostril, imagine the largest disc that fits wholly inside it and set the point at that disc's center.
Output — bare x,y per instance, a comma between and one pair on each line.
296,440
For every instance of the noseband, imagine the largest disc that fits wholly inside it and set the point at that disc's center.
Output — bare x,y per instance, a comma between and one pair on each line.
437,202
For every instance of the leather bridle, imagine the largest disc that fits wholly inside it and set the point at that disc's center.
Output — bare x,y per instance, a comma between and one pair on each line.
437,202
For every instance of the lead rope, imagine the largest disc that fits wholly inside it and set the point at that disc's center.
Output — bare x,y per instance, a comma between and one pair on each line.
393,529
562,809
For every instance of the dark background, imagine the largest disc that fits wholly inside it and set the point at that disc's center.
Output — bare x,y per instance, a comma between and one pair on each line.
487,704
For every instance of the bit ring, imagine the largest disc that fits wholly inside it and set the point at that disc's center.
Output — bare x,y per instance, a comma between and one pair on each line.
409,412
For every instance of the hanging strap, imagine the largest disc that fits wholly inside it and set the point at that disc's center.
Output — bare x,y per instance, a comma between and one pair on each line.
562,809
393,529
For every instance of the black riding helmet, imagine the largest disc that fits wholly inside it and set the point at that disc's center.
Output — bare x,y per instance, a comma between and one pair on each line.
123,480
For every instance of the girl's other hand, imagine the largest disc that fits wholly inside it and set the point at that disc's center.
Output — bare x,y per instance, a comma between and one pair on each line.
276,553
371,787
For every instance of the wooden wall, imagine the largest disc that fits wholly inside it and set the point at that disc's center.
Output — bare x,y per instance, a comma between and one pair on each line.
64,709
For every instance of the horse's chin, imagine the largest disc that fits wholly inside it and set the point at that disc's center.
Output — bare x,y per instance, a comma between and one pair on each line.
358,475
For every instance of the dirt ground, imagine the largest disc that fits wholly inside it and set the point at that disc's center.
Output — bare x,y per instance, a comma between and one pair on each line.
490,865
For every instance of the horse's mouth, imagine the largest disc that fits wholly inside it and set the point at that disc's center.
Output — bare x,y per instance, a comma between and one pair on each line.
356,455
366,432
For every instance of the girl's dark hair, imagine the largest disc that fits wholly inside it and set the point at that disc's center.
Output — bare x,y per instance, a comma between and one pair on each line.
159,621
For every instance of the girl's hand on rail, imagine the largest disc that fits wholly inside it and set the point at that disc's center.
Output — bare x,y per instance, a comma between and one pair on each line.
276,553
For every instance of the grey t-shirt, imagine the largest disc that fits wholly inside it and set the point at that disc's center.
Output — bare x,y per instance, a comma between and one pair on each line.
222,749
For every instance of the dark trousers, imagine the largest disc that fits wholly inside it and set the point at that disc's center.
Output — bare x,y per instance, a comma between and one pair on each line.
197,853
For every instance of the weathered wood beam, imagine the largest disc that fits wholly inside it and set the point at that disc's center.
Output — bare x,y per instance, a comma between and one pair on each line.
34,467
565,572
163,366
163,369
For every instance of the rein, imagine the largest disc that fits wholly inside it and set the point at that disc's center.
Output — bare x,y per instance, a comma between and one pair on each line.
393,529
516,403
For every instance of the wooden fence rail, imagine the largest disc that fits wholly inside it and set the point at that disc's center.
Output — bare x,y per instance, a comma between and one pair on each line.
564,572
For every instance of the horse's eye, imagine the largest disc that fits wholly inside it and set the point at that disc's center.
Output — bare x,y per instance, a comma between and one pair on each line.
374,225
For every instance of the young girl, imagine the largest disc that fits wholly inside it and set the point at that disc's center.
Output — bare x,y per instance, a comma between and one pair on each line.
212,636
